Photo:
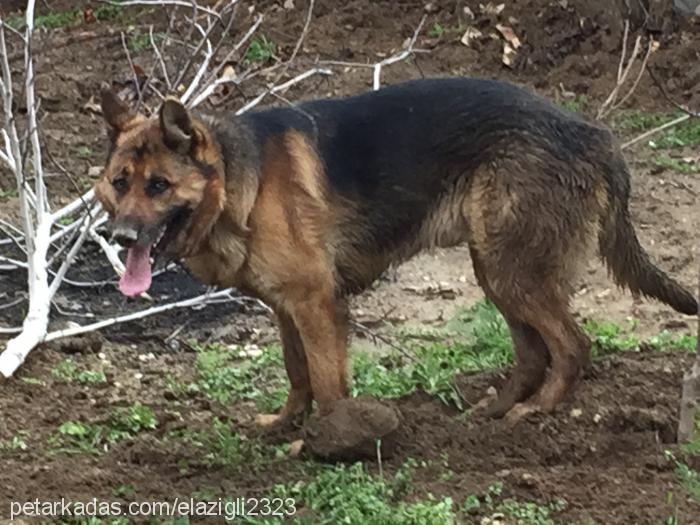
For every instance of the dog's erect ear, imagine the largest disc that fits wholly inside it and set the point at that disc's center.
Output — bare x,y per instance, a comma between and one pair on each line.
176,125
116,113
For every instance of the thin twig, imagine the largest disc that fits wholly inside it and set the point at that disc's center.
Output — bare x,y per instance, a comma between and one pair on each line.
378,337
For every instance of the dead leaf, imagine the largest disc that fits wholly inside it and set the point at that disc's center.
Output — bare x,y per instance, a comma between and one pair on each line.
468,12
492,9
289,4
508,54
509,35
470,34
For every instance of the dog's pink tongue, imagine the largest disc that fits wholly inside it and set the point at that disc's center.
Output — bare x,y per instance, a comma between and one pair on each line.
137,277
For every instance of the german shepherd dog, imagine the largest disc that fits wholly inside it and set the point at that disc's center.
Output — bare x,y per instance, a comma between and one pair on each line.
302,206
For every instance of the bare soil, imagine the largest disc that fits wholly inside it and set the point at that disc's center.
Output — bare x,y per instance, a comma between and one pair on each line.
603,452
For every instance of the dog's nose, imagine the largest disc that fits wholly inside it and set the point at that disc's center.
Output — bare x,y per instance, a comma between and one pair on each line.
125,235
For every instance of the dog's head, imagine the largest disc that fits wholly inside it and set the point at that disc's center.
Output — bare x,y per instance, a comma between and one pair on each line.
163,185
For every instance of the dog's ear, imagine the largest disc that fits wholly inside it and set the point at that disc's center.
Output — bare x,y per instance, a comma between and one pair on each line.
176,124
116,113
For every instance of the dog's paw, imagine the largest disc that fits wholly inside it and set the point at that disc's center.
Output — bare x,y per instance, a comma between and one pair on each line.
521,411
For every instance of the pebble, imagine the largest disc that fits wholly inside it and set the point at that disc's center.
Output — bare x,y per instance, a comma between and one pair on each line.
576,413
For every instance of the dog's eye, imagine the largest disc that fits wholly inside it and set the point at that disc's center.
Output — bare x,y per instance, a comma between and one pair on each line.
157,185
120,184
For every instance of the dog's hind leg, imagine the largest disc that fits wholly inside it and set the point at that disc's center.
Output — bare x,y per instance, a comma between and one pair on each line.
569,349
299,398
531,353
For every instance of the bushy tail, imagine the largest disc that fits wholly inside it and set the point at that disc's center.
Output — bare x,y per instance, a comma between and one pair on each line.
631,267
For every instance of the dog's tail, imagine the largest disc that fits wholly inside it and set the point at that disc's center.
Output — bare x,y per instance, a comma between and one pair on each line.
631,266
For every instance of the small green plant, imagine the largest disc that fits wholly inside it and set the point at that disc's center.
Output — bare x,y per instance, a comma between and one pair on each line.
260,50
140,41
84,152
575,104
68,371
513,511
16,443
607,338
436,31
223,446
75,437
663,160
689,478
668,341
124,491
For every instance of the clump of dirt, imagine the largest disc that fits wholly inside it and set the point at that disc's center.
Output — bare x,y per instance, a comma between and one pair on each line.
351,430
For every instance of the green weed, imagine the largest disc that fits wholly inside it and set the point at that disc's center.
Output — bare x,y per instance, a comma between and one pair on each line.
139,41
436,31
607,338
513,511
260,50
69,371
678,165
74,437
16,443
222,446
689,478
575,104
668,341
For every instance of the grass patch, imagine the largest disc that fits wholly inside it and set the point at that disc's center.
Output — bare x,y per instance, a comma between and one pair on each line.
687,477
350,494
228,373
607,338
575,104
261,50
475,339
224,447
511,511
664,160
69,371
58,19
74,437
636,122
139,41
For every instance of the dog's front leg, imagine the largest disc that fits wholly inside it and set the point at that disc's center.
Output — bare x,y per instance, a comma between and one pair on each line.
322,323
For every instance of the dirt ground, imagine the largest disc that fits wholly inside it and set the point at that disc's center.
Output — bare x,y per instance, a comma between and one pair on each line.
603,453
